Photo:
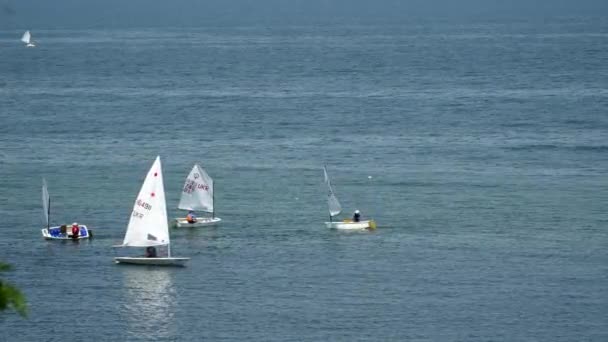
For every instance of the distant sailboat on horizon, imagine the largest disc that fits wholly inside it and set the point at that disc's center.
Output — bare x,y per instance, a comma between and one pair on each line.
27,39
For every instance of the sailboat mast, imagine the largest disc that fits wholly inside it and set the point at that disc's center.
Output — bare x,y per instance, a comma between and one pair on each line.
169,250
213,199
48,215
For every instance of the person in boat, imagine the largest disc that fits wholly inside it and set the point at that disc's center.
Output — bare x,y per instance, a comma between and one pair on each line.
63,229
191,218
357,216
150,252
75,231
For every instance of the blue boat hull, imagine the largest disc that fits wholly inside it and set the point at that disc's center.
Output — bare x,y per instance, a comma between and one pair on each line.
55,233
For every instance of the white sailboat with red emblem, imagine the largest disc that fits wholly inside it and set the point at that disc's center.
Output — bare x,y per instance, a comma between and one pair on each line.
197,195
148,227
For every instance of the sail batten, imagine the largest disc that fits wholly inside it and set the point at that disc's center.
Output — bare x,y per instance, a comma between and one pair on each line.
197,193
332,201
148,223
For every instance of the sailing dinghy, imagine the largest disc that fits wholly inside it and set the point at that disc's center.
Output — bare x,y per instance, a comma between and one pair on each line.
335,209
148,227
197,195
63,232
27,39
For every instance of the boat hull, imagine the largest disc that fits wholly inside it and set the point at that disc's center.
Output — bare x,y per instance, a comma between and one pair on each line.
351,225
181,222
54,233
151,261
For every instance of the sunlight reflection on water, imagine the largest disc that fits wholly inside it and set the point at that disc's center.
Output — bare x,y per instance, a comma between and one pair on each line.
148,302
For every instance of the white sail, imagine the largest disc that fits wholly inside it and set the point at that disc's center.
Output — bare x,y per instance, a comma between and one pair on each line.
197,193
148,224
26,38
332,201
46,203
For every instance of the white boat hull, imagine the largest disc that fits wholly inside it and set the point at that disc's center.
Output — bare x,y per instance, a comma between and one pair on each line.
30,45
351,225
151,261
54,233
181,222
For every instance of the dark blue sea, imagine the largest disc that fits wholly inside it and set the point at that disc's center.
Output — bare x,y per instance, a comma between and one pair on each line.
486,140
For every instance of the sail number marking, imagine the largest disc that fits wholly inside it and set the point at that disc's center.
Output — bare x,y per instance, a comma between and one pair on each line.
137,214
144,205
191,185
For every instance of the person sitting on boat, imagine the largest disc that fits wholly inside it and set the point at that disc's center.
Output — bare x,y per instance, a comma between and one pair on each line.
191,218
75,231
357,216
150,252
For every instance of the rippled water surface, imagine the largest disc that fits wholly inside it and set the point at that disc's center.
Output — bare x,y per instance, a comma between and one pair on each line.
486,143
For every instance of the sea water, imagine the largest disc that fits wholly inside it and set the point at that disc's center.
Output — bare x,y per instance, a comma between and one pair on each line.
486,143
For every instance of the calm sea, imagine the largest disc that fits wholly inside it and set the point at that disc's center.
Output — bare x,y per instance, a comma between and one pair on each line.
486,143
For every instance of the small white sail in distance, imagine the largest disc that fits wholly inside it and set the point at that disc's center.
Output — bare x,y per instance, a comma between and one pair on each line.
46,203
332,201
148,223
197,193
27,37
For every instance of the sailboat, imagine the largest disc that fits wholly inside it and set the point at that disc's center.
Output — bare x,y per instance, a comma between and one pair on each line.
148,225
27,39
63,232
335,209
197,194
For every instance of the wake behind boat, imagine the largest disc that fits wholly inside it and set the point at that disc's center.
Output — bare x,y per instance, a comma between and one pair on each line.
148,227
335,209
27,39
64,232
197,194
